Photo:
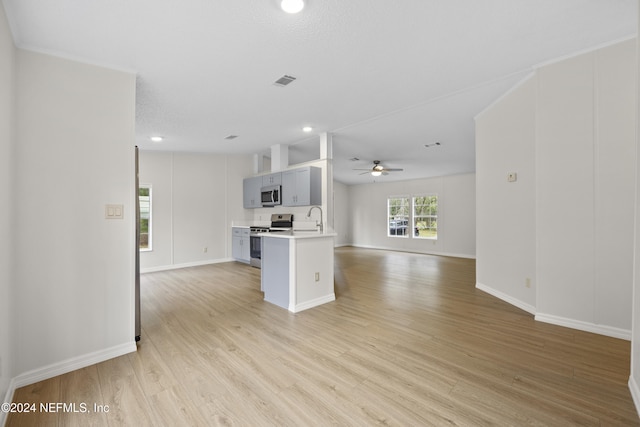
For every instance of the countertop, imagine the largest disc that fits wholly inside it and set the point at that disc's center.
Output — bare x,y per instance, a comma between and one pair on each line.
300,234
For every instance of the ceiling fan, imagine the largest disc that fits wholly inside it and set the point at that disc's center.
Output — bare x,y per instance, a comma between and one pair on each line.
378,169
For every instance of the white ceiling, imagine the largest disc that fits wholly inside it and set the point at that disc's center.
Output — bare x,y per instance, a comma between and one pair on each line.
383,77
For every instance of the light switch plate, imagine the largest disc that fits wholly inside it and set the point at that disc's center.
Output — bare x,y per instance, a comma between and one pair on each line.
113,211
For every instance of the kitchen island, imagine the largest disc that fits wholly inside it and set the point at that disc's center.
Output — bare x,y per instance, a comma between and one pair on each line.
297,269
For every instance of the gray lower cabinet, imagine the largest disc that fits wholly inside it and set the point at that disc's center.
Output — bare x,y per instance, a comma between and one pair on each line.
302,186
240,244
251,192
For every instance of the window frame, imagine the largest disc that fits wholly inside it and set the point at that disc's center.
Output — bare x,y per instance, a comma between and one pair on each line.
149,233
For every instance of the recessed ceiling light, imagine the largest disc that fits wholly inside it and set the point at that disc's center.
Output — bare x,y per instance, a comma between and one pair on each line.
307,129
156,138
292,6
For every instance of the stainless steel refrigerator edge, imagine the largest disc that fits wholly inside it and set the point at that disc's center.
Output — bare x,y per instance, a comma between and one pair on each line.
137,252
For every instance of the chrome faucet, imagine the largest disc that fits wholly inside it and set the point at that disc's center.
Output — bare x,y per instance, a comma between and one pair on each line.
318,224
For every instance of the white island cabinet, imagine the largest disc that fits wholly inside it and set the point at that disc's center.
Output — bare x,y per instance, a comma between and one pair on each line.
297,269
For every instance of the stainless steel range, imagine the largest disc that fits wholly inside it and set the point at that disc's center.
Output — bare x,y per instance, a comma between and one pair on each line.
279,223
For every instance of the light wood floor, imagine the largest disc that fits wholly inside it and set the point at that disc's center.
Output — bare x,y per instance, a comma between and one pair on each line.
408,342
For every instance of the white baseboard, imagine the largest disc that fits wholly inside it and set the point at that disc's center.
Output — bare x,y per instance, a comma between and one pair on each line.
184,265
64,367
609,331
507,298
313,303
69,365
635,392
73,364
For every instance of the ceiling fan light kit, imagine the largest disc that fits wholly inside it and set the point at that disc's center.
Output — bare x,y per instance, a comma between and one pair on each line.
378,169
292,6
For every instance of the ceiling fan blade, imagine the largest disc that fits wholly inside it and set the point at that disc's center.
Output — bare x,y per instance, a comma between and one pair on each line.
377,167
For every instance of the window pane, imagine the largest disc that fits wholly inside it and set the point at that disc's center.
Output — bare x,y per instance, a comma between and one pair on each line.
144,196
425,217
398,213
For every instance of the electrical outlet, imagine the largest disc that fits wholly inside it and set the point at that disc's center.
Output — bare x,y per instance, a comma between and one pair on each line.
512,177
205,249
317,276
527,282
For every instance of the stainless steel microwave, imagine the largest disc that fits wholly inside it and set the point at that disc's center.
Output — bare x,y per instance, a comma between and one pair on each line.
271,195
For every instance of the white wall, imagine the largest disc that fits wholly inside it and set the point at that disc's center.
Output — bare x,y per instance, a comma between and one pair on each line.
456,215
615,136
634,378
506,237
195,197
580,191
74,270
341,214
7,335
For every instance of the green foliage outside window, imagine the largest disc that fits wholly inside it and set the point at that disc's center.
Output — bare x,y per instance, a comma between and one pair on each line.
399,212
425,216
144,196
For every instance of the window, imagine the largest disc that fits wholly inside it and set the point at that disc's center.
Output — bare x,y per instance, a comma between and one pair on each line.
398,214
413,216
425,217
144,196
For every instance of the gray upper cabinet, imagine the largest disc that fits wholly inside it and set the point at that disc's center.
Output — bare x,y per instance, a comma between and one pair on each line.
251,192
302,187
272,179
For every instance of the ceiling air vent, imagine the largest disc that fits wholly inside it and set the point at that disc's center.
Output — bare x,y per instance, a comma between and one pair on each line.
230,137
432,145
284,80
